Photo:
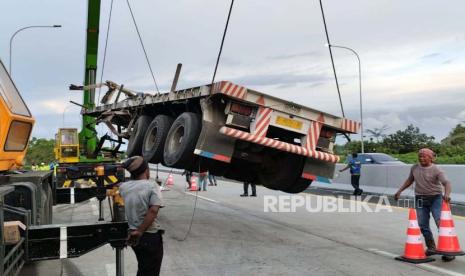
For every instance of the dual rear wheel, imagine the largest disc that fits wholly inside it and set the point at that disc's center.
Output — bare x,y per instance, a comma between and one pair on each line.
165,140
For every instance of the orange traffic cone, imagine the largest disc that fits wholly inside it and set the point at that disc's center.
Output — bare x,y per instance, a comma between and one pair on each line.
414,251
448,242
193,183
170,180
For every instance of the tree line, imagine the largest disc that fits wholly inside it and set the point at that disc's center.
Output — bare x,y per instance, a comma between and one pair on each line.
404,144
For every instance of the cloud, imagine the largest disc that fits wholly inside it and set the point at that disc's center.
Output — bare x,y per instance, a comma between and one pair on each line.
278,79
413,74
295,55
432,55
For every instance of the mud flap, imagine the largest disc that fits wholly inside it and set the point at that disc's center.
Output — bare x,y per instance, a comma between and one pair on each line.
314,168
211,143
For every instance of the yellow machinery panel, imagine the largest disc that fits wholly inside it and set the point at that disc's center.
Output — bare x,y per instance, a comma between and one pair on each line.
16,124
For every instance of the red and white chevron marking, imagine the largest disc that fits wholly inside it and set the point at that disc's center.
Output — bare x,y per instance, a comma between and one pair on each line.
263,121
272,143
230,89
313,135
349,125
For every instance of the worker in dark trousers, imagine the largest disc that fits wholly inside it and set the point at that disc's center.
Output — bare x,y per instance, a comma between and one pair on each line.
142,201
355,167
246,189
431,188
188,175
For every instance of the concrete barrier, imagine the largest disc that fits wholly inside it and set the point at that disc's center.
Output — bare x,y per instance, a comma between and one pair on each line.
386,179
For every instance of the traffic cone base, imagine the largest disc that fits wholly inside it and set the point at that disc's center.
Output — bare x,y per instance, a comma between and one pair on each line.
414,251
415,261
445,253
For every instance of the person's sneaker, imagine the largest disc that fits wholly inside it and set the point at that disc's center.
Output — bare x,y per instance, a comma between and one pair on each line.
360,192
254,195
445,258
243,195
430,252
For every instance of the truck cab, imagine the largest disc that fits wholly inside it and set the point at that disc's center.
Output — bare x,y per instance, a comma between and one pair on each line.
16,124
67,145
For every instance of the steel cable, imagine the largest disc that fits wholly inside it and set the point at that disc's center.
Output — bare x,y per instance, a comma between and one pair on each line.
143,47
332,60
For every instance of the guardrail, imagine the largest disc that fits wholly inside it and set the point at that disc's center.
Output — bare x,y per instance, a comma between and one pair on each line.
386,179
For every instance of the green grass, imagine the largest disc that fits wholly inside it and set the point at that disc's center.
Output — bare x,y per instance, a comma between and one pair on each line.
412,158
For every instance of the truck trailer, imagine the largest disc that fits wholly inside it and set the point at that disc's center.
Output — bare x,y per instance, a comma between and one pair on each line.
227,129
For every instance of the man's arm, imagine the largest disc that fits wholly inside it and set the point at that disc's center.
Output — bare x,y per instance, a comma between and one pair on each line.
447,191
447,186
406,184
345,168
150,216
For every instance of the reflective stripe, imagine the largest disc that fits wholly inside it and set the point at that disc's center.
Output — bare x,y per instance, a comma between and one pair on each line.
414,239
446,215
63,243
447,232
71,194
413,224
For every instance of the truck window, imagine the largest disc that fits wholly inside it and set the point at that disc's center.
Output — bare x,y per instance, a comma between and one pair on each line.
18,135
69,137
10,94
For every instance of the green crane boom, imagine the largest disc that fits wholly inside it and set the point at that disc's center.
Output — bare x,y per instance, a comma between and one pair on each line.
88,134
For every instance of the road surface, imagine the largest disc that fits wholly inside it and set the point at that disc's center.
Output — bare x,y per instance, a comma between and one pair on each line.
231,235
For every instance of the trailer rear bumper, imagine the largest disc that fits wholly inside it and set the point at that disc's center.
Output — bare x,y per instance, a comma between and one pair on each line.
272,143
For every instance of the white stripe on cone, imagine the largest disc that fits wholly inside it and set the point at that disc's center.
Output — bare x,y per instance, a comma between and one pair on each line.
414,239
413,224
446,215
447,232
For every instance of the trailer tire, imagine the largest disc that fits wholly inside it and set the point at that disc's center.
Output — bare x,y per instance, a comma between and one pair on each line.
181,140
137,136
279,169
298,186
155,137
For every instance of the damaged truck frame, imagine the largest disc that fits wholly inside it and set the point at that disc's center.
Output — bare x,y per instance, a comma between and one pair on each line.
227,129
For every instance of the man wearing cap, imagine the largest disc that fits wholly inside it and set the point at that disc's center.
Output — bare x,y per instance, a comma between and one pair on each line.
429,193
142,201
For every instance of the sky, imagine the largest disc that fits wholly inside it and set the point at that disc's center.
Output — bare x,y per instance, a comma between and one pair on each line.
412,55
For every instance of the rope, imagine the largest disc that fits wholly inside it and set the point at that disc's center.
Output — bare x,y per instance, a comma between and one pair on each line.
105,49
143,47
221,46
332,60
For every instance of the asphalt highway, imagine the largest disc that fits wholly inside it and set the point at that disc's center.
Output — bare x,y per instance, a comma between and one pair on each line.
231,235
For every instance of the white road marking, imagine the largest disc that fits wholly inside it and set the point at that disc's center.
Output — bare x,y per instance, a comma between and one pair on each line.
94,206
426,266
111,269
72,195
202,197
63,243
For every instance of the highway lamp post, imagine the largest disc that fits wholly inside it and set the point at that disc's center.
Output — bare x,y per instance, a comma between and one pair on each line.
25,28
64,112
360,87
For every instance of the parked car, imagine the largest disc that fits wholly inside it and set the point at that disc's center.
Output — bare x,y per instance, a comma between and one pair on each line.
376,158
